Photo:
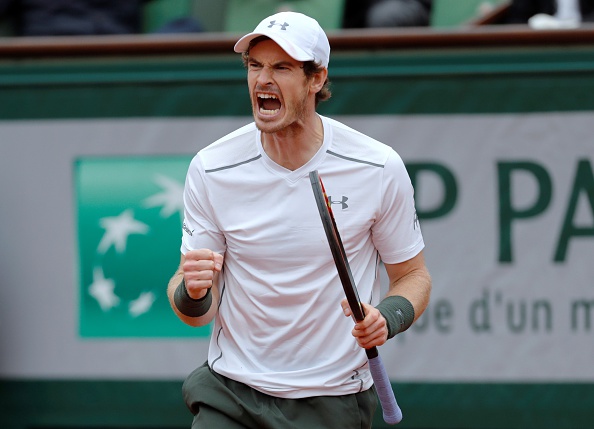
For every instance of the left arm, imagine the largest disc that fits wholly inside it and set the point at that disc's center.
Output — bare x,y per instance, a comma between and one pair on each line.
409,279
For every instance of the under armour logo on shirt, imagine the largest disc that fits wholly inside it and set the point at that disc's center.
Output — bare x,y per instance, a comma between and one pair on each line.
342,202
282,26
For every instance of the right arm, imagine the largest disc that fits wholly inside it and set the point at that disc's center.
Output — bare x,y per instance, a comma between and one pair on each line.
200,269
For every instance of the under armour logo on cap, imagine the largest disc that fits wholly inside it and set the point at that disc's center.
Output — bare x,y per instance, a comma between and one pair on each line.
282,26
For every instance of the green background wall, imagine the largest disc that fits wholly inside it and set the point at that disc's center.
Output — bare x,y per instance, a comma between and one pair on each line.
445,81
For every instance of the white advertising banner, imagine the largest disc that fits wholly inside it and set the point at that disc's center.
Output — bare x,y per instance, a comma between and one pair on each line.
508,208
506,204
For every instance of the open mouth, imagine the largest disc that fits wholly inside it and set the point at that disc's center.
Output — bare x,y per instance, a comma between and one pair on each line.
268,104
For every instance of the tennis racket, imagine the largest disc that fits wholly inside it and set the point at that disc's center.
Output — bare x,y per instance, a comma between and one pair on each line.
391,411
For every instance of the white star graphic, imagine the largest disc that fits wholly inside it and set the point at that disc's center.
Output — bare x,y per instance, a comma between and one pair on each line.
102,290
171,198
117,230
142,304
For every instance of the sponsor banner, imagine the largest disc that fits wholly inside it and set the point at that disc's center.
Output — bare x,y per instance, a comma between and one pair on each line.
506,204
129,227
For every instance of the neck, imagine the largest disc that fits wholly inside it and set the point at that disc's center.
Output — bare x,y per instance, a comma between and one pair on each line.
295,145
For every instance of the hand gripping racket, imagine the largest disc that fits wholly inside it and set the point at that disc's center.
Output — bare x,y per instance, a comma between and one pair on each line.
391,410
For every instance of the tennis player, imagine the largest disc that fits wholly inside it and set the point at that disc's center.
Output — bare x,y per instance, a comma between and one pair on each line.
255,259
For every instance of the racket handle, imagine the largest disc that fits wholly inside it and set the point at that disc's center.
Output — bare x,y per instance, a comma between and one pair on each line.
390,409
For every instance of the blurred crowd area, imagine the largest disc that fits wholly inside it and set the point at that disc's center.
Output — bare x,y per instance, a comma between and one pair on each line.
103,17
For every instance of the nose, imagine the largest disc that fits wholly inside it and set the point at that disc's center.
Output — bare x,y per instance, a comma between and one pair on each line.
264,76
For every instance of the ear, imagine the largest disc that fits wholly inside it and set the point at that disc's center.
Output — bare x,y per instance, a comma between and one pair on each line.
318,80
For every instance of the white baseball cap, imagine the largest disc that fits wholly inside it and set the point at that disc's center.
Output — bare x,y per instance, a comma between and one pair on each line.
299,35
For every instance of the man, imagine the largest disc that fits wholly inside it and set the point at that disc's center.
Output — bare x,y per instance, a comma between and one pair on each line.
550,13
68,18
399,13
256,261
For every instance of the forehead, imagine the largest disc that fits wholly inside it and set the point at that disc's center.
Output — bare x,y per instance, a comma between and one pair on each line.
269,51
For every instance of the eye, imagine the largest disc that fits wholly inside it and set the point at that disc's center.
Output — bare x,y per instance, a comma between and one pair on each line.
254,66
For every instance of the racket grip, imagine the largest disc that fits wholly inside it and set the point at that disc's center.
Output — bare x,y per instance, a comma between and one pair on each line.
390,409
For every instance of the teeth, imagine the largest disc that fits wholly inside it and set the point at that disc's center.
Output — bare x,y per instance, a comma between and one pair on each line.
268,112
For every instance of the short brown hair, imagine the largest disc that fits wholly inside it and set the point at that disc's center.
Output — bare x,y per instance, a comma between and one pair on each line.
310,68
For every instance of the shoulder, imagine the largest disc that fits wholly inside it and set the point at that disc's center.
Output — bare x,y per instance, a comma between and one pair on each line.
352,144
235,148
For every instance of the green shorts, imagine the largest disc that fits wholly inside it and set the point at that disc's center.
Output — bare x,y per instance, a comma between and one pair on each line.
218,402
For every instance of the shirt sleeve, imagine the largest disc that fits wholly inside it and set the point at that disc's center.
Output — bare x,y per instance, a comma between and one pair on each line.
397,232
200,229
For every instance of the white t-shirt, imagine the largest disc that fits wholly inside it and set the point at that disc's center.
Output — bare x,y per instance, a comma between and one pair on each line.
280,327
